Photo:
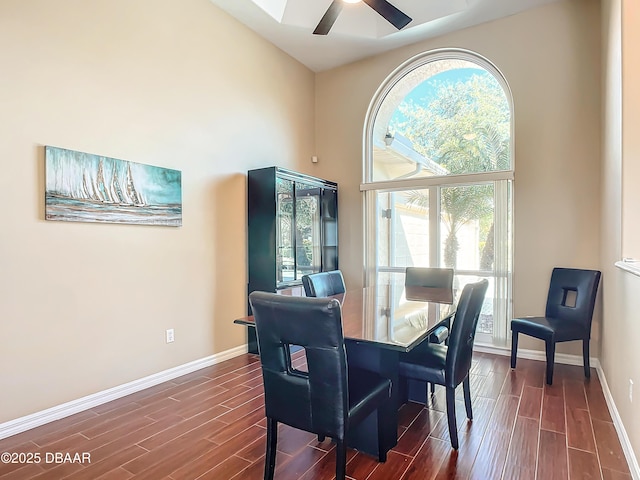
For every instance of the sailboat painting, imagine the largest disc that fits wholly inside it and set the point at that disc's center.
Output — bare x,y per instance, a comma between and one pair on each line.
82,187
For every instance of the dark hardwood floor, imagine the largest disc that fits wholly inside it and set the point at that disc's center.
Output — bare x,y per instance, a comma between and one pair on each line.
210,425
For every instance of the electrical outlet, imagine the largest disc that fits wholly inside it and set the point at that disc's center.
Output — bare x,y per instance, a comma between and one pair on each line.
170,337
630,391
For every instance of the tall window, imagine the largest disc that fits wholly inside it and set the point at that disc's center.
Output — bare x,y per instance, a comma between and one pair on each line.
438,177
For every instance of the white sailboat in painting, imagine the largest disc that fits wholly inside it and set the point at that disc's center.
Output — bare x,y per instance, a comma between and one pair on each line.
116,189
103,192
113,192
86,190
134,194
126,193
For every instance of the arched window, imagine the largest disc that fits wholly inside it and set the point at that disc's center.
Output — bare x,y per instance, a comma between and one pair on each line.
438,177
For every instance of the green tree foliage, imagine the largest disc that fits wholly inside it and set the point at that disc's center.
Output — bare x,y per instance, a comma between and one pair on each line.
465,127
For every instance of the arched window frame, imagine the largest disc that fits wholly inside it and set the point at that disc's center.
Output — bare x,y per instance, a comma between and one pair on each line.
369,187
401,72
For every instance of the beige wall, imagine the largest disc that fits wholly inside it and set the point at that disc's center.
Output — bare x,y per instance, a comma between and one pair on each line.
630,123
550,58
84,307
620,357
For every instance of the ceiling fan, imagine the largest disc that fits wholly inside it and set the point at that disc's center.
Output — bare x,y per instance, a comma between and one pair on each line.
390,13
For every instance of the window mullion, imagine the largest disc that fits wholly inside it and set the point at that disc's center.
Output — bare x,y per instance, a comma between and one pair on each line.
371,225
434,226
425,182
502,308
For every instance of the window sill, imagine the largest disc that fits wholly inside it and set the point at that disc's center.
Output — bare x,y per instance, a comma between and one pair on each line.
631,266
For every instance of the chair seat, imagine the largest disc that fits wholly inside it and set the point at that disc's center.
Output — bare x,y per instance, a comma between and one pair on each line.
414,363
547,328
367,390
439,335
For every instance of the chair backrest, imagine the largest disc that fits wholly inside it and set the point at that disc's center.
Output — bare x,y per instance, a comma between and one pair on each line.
438,279
323,284
463,332
429,277
317,400
572,294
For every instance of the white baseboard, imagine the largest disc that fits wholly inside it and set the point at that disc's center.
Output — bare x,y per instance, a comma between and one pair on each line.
629,454
563,358
617,423
37,419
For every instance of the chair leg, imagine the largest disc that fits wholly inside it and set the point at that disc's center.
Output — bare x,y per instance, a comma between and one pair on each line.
430,390
467,397
270,457
321,438
585,354
403,391
341,459
551,353
446,340
451,417
514,348
382,449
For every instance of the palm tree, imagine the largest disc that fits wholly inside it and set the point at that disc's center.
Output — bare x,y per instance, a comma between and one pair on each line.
464,128
459,205
488,151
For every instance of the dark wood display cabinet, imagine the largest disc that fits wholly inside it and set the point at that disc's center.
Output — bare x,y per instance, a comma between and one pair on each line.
292,231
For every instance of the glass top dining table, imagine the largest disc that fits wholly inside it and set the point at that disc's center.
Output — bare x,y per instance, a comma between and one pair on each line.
379,323
391,316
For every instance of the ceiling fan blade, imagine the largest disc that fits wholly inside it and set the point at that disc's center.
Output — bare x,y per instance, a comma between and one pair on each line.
394,16
329,18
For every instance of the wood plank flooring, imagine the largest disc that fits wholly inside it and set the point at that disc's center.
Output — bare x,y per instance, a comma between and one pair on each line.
210,425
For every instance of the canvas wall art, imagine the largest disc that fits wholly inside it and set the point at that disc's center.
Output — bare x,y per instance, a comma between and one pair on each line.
82,187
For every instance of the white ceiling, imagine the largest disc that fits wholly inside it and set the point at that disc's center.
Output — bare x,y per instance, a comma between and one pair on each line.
359,31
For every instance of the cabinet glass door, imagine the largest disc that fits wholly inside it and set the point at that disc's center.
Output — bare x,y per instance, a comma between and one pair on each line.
307,229
285,260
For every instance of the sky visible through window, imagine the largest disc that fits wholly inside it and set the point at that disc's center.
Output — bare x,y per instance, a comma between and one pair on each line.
425,91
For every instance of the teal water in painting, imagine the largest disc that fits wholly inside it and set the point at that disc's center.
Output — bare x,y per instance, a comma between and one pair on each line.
63,208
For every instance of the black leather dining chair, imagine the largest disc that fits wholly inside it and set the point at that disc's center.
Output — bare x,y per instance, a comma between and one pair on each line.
437,278
323,284
450,365
568,315
329,398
